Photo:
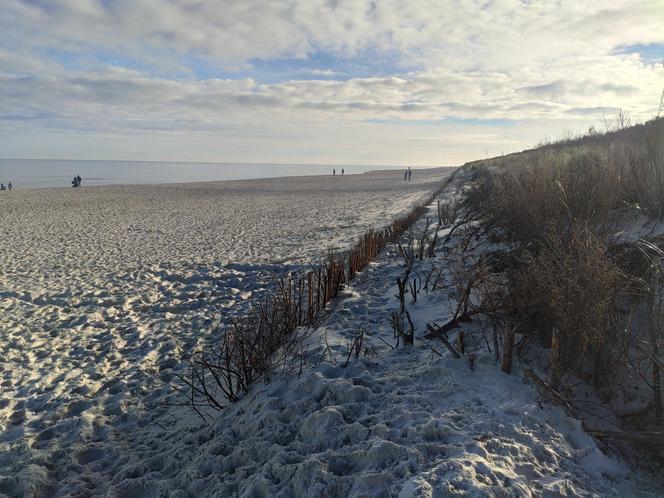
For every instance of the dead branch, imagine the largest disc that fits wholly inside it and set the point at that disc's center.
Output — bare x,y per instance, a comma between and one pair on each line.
443,337
436,331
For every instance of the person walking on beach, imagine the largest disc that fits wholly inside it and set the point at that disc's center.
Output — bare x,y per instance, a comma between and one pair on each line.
334,172
74,182
78,180
405,175
342,172
410,173
10,186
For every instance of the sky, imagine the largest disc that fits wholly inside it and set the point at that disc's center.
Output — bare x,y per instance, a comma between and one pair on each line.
384,82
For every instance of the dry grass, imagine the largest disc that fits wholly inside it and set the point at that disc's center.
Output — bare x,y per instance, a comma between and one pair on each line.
271,339
552,212
570,287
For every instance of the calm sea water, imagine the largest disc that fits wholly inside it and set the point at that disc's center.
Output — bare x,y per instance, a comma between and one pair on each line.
32,173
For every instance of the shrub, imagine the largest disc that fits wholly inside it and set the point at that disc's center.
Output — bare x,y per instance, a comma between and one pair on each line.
569,286
523,203
564,268
642,166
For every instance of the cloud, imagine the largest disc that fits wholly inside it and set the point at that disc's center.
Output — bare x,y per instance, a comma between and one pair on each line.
463,34
195,66
116,94
323,72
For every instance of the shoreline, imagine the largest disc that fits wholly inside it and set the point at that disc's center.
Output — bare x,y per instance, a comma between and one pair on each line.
220,163
377,171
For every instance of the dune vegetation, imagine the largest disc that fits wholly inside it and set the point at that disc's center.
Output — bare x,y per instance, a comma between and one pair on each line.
554,254
573,236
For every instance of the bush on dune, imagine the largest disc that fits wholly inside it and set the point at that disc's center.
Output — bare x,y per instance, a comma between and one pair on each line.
555,213
568,288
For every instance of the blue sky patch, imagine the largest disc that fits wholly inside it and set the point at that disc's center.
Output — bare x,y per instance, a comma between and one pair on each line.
317,66
83,61
651,54
500,123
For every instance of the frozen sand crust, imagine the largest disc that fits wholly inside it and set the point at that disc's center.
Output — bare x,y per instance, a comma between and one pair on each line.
102,290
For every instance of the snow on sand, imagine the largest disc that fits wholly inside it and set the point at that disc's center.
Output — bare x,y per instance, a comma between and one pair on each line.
403,422
82,412
102,290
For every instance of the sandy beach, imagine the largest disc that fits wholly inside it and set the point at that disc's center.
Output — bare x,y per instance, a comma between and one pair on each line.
104,289
268,285
92,406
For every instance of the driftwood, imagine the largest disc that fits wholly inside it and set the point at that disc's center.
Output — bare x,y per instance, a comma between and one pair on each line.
414,288
355,347
461,345
402,294
397,323
546,390
423,238
435,331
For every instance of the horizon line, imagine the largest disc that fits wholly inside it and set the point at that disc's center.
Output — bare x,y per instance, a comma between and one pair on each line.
430,166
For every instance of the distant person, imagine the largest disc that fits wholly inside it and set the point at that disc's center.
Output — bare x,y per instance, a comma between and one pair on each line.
2,186
410,173
342,172
78,180
334,172
74,182
10,186
405,175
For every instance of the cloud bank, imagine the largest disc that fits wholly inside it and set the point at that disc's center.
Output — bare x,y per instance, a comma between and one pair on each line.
417,81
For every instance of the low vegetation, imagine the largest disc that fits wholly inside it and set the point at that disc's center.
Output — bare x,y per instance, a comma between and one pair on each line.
572,236
272,339
555,255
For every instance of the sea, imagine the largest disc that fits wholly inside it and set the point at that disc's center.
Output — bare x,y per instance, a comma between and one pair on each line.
36,173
